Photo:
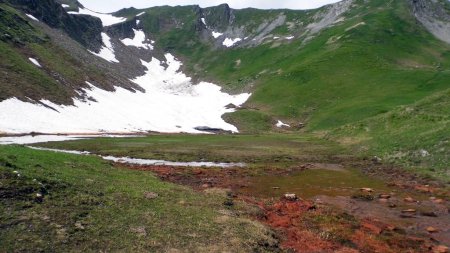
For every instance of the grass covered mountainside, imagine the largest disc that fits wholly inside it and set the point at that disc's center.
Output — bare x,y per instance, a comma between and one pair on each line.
367,73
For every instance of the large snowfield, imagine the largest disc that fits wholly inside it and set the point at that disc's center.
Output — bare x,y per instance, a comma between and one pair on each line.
170,103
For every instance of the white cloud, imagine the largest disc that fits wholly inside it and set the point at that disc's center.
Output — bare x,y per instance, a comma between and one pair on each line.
114,5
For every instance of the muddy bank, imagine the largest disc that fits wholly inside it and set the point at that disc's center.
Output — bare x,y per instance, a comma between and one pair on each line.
339,215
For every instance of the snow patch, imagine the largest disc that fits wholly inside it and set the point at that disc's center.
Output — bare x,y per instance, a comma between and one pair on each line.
276,37
35,62
31,139
230,42
107,19
32,17
107,51
138,40
281,124
140,14
216,34
65,5
289,37
129,160
137,161
203,21
170,103
355,26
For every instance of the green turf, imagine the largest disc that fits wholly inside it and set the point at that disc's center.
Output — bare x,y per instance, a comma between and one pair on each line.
90,206
265,150
414,136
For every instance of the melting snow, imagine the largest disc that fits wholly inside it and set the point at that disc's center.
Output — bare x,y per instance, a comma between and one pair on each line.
32,17
138,40
171,103
106,52
35,62
281,124
138,161
30,139
107,19
216,34
231,42
168,163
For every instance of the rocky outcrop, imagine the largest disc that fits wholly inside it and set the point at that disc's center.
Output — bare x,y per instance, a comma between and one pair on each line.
328,16
84,29
219,17
434,15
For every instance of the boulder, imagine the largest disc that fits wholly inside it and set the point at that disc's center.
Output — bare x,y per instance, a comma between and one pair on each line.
290,196
151,195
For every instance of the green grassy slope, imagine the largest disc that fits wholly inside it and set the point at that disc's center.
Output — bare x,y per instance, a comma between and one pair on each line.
377,59
89,205
358,74
415,136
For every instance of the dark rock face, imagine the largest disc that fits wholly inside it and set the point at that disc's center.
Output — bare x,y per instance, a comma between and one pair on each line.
84,29
219,16
123,30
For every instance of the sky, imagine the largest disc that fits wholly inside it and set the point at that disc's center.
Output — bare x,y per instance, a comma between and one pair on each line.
108,6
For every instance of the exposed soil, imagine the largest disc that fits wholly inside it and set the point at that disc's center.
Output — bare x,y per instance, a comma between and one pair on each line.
411,217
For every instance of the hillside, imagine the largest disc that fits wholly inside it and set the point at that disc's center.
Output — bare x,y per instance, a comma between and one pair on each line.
190,129
314,70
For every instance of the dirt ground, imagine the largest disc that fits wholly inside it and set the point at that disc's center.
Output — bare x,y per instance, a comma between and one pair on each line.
412,217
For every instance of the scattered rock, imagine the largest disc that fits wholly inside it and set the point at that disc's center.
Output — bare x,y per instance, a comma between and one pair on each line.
366,189
228,202
206,185
365,197
409,199
230,106
440,249
431,230
384,196
197,171
371,227
151,195
300,125
439,201
79,225
376,159
392,205
429,214
276,188
423,188
409,211
290,196
139,230
39,197
424,153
